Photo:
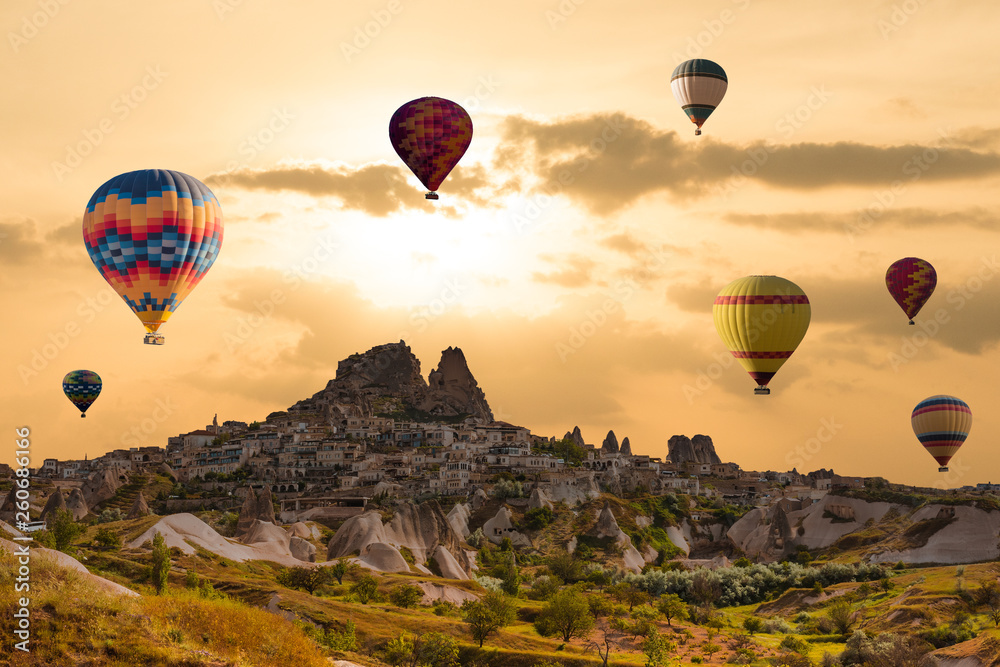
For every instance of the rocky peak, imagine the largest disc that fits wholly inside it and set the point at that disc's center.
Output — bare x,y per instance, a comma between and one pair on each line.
698,449
626,449
391,366
452,390
575,436
610,444
607,525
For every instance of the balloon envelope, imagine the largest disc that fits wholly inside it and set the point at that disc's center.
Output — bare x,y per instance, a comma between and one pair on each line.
699,86
82,388
942,424
911,281
430,134
761,320
153,234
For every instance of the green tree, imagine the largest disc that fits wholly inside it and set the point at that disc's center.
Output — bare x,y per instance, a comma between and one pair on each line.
672,606
306,578
63,529
657,648
191,579
340,568
567,614
840,614
753,624
365,589
107,539
487,615
406,596
564,565
161,563
537,518
886,584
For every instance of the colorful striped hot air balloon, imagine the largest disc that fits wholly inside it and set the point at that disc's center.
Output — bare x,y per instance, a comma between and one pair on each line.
761,319
430,134
699,86
153,234
911,281
82,388
942,424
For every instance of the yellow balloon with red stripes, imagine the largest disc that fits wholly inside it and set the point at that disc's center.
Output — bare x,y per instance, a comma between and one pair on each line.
761,320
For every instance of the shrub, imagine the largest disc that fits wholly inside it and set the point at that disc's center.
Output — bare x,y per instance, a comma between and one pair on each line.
107,539
406,596
544,587
538,518
161,563
793,644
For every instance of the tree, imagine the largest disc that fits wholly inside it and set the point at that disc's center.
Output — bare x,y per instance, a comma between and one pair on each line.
306,578
406,596
565,566
657,647
63,528
840,614
487,615
161,563
365,589
753,624
706,586
672,606
886,584
629,594
710,649
604,645
566,614
537,518
108,539
339,569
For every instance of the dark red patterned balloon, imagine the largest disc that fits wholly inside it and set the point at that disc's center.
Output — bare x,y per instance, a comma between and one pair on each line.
911,281
430,134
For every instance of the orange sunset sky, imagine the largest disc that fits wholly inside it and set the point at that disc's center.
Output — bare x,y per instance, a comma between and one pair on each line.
852,134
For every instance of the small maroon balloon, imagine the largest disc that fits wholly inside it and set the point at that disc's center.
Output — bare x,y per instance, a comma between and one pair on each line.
430,134
911,281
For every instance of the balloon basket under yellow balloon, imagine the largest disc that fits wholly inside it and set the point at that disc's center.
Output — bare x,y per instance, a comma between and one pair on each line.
154,339
431,195
762,391
945,469
83,415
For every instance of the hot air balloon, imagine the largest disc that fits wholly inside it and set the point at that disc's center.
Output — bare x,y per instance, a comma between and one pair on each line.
911,281
942,424
430,134
82,388
153,234
761,319
699,86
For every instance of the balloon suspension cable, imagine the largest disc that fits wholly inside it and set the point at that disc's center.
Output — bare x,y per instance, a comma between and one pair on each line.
762,391
431,195
943,469
912,323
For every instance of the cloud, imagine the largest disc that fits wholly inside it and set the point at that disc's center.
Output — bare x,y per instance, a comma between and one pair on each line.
608,161
19,242
623,243
576,272
840,222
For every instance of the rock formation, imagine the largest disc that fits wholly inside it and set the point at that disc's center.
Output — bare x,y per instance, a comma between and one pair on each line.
698,449
55,502
77,505
626,449
139,507
248,513
102,485
575,436
610,444
607,527
387,379
452,390
302,549
539,499
500,526
265,506
164,469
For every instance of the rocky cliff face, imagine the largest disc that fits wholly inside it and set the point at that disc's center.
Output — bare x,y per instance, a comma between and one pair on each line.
387,379
626,449
575,436
698,449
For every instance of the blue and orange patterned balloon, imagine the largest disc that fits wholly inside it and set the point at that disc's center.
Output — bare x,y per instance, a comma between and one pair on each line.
153,234
911,281
430,134
82,388
941,424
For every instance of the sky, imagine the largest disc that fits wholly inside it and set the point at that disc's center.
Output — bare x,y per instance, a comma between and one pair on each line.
574,253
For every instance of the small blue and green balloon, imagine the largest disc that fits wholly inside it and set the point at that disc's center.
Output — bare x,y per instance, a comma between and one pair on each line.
82,388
